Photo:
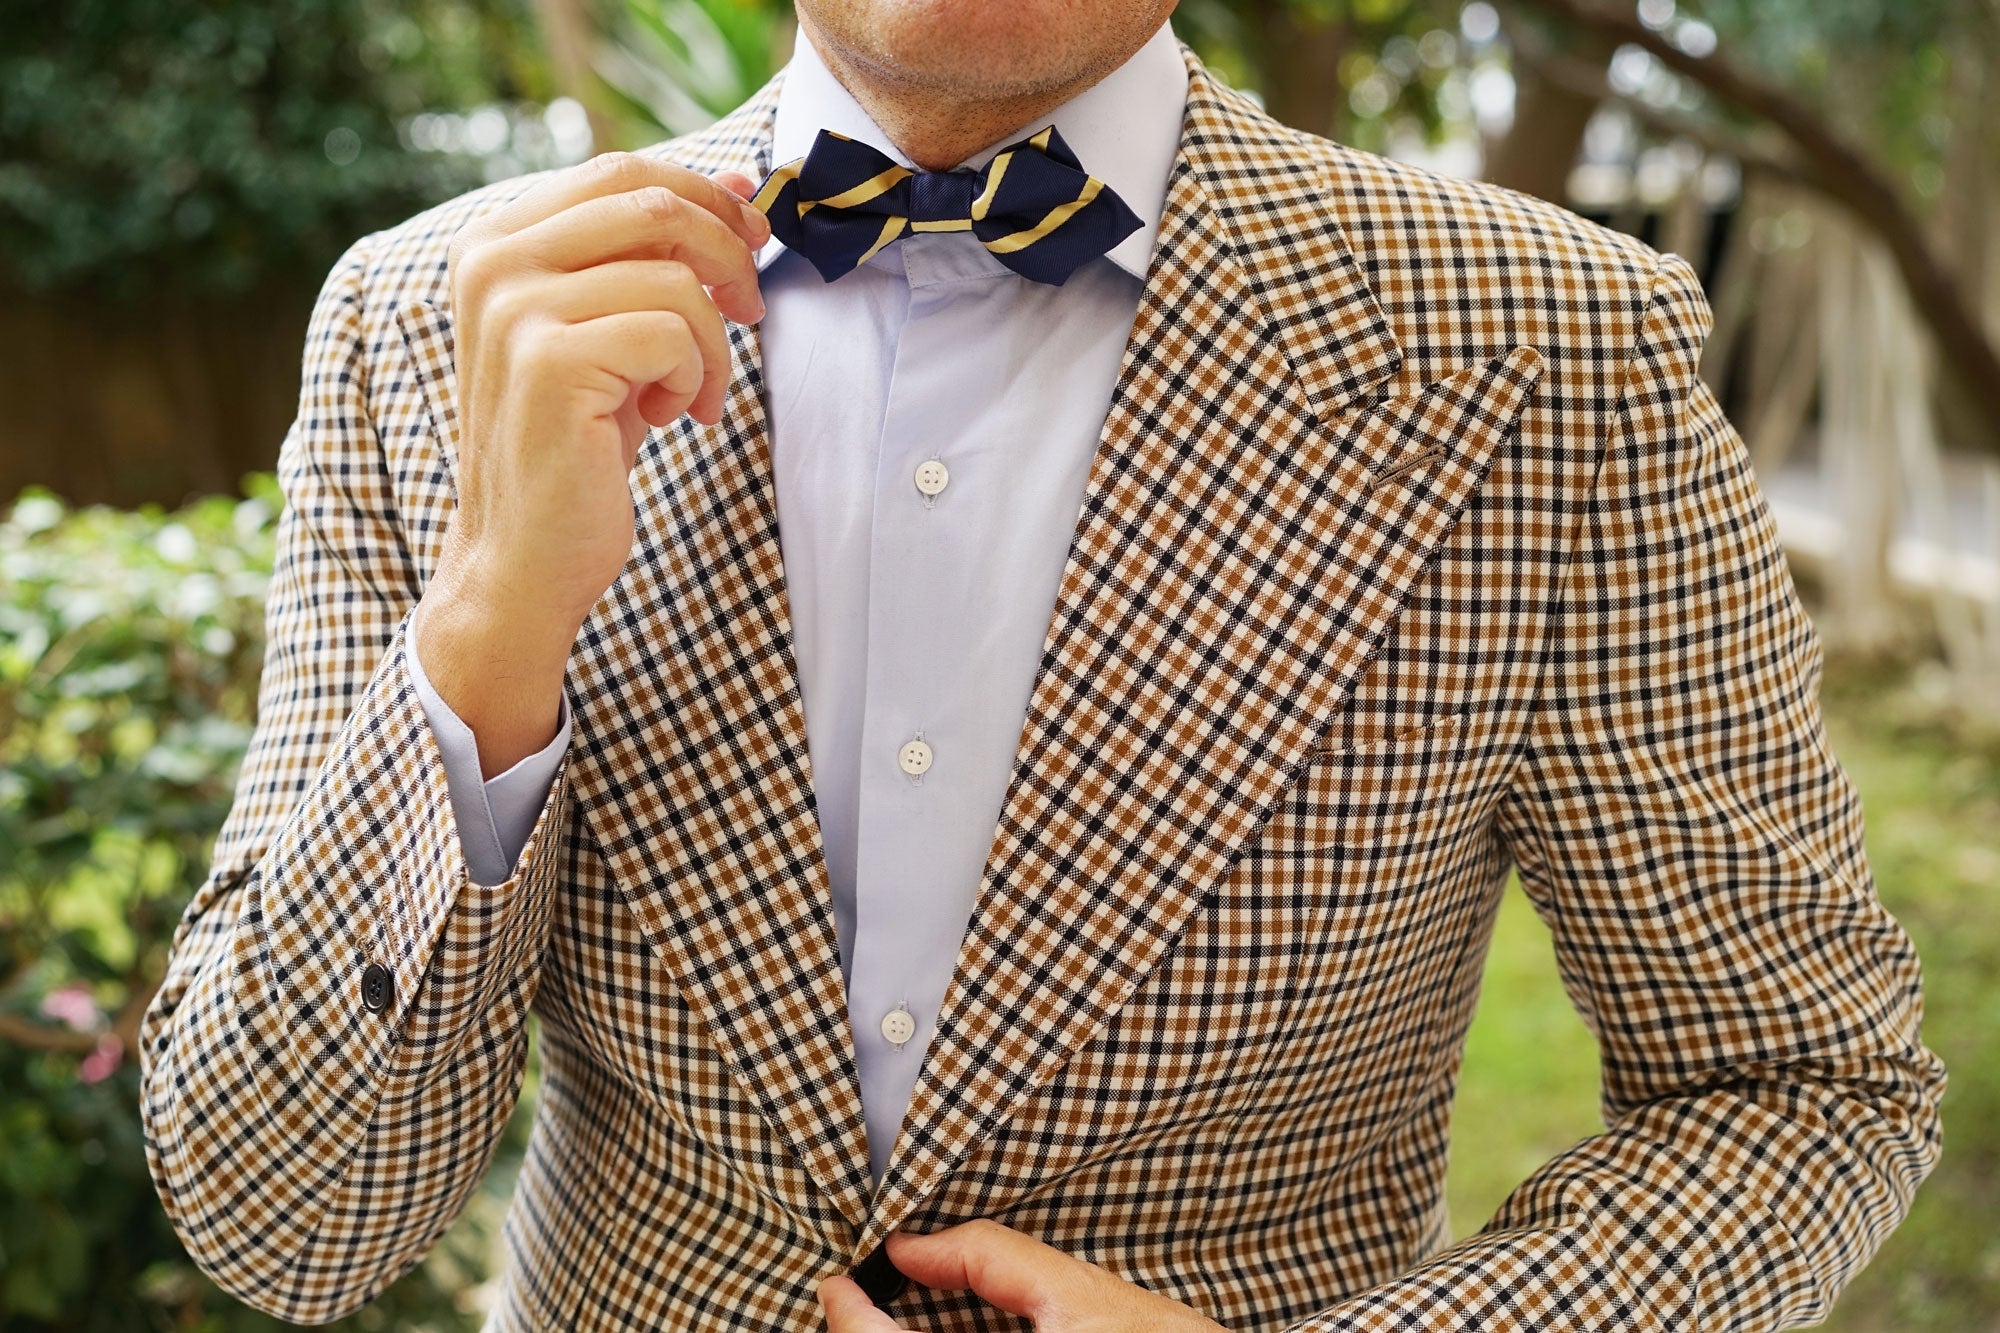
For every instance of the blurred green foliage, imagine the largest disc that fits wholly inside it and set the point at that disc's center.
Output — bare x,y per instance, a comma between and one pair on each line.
677,65
130,645
199,145
1396,65
1892,78
1883,75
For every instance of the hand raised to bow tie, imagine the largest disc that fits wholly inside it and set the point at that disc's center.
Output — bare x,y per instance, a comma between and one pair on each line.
1033,206
582,313
1019,1274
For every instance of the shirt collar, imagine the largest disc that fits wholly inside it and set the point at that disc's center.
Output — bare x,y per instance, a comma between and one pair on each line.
1125,129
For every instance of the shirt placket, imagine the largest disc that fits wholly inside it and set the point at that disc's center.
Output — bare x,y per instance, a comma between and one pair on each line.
911,888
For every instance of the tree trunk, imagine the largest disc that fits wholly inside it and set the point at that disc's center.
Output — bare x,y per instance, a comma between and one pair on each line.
122,405
1300,60
568,31
1844,173
1539,149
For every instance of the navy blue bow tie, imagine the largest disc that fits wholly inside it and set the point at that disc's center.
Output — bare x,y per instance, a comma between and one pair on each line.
1033,206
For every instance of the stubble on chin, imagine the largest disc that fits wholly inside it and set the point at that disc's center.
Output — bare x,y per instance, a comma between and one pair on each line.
973,51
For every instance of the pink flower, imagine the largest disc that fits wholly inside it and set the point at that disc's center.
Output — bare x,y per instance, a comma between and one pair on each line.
73,1006
99,1064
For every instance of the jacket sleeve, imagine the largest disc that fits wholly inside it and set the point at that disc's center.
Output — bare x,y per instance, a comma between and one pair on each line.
1695,849
309,1135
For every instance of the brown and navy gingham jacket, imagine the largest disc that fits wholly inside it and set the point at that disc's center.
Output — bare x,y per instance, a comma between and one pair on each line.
1413,550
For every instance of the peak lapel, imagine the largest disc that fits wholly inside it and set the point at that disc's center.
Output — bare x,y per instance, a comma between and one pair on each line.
1248,532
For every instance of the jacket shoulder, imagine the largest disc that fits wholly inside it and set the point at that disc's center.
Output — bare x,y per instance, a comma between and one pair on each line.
1464,268
1400,205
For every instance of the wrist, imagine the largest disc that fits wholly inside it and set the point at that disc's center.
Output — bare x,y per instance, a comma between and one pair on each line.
500,671
473,603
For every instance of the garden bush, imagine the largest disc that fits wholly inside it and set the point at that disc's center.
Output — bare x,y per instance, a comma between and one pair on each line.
154,146
130,644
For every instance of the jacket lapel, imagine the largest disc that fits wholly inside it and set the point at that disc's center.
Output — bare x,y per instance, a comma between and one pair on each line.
1249,530
692,772
689,763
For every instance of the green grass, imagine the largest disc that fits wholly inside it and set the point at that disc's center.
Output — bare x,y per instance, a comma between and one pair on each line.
1930,795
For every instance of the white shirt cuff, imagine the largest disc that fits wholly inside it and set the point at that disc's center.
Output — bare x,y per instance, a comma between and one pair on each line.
496,816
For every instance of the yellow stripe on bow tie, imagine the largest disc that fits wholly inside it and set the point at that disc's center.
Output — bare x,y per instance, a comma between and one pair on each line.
775,186
948,224
1055,217
868,189
994,171
892,227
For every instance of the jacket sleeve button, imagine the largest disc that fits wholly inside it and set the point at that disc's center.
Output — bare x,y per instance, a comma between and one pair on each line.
378,988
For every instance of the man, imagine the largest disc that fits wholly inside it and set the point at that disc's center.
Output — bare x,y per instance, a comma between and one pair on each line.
993,747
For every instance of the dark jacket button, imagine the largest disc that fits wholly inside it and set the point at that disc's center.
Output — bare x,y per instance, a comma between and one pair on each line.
378,987
882,1280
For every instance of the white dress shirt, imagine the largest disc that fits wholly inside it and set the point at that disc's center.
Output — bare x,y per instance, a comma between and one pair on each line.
933,419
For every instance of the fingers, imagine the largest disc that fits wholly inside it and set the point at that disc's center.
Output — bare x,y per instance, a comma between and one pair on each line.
615,205
620,173
848,1309
1002,1266
650,222
644,347
736,182
627,287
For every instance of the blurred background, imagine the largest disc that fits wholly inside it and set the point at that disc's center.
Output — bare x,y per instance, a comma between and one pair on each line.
176,176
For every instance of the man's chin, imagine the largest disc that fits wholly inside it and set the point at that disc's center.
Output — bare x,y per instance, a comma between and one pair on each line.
971,47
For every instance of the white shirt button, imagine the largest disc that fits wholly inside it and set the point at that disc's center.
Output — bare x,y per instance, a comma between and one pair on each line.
898,1026
932,476
915,757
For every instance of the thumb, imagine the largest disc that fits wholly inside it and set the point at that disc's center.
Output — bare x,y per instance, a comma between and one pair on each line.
1004,1267
848,1309
735,182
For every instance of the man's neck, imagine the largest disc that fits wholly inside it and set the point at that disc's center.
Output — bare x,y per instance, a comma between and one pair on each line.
935,129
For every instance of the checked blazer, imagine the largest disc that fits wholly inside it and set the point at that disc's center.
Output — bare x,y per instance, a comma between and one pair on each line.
1413,551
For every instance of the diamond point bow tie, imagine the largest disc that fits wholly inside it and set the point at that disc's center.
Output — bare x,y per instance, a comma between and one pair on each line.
1033,206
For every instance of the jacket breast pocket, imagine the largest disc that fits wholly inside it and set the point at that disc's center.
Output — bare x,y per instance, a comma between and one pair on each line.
1375,781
